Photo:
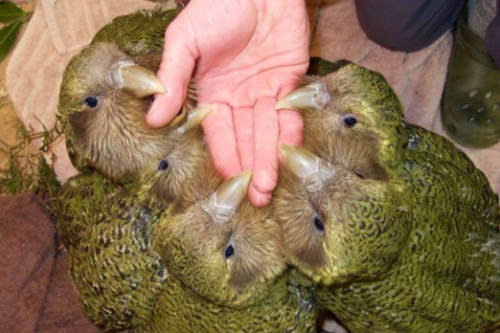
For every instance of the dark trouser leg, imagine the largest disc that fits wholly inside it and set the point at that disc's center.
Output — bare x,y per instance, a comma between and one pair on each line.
407,25
493,37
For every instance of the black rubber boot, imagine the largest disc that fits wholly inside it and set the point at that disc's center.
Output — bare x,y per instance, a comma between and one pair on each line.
470,106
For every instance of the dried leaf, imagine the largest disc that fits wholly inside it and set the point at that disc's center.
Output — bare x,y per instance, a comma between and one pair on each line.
10,12
8,36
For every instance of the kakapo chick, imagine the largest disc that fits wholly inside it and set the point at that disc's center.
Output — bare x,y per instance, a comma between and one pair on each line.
226,264
400,229
105,95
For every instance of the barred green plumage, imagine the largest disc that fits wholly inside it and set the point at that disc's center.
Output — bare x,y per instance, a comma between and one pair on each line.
410,240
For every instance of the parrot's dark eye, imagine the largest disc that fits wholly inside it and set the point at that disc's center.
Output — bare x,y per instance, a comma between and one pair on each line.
350,121
318,224
359,174
229,251
91,102
163,165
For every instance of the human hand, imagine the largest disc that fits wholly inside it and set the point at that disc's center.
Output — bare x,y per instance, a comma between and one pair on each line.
247,54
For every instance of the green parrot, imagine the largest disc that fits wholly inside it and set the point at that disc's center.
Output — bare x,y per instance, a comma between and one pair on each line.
219,245
119,277
104,96
226,264
398,229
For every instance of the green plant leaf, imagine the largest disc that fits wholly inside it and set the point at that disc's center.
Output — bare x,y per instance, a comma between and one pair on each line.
8,36
10,12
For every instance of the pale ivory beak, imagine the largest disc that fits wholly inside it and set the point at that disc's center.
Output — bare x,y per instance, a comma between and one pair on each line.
135,79
309,168
311,97
194,118
224,202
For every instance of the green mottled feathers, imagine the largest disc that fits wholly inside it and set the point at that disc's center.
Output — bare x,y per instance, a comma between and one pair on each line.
109,238
287,308
138,33
78,205
410,240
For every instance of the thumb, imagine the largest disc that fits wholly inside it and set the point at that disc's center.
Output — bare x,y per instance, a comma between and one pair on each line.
177,63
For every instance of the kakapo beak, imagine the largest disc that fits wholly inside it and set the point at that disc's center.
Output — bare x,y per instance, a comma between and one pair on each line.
136,79
194,118
313,96
224,202
309,168
299,160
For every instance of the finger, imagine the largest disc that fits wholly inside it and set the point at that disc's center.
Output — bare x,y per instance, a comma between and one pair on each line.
266,131
291,127
176,67
243,125
221,139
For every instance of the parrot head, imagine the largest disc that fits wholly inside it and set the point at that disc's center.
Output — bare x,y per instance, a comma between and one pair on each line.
352,104
165,176
338,223
219,245
104,97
